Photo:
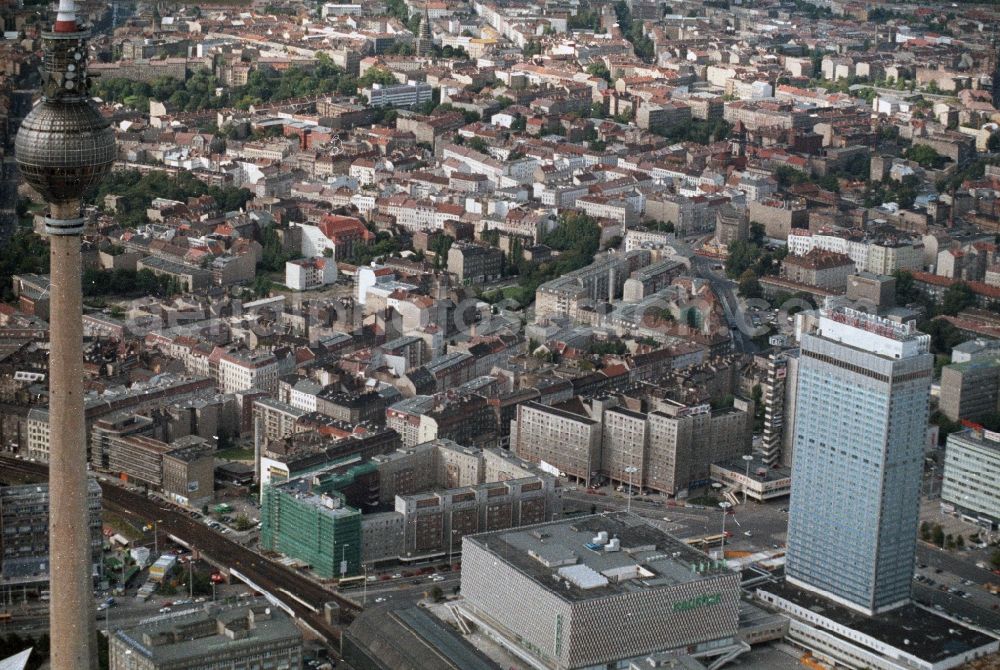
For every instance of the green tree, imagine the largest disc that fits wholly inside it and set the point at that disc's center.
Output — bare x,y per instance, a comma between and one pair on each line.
477,144
925,156
576,236
742,256
995,559
377,75
906,290
532,48
137,191
599,69
750,286
787,176
757,396
261,287
698,131
24,252
201,583
937,535
957,297
273,257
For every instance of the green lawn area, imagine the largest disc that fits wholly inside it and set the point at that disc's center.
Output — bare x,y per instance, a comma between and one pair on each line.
235,454
122,526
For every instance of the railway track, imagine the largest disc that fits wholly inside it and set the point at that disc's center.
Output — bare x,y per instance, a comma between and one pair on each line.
307,598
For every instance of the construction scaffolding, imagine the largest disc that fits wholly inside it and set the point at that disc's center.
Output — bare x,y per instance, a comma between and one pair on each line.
313,526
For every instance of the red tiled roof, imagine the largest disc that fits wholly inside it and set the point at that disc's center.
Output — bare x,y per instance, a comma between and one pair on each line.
978,287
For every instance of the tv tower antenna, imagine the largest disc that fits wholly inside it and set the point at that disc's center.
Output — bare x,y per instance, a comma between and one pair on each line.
64,147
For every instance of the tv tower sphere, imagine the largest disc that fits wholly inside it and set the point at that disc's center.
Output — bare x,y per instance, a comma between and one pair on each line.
64,146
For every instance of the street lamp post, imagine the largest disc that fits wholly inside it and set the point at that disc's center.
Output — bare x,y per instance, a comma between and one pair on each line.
748,458
631,470
725,505
156,537
451,541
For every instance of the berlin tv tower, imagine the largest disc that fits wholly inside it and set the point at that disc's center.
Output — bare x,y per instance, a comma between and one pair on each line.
64,148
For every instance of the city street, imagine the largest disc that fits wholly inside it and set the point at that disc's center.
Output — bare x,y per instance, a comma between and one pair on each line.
765,523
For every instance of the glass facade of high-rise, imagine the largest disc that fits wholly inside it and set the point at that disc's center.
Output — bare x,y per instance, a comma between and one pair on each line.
863,387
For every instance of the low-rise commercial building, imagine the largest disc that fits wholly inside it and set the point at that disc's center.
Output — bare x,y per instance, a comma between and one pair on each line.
906,638
217,636
184,470
759,481
599,591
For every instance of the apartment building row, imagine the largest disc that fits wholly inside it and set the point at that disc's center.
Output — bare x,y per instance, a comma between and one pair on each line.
669,449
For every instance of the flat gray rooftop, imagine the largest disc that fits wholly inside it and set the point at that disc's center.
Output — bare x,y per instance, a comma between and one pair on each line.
563,557
195,633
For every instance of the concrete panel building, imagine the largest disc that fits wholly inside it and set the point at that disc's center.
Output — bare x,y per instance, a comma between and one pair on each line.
435,522
437,463
671,448
684,441
569,442
24,534
971,473
625,440
970,390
